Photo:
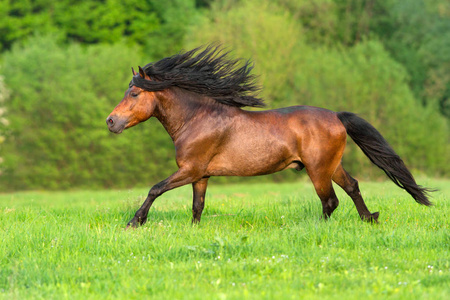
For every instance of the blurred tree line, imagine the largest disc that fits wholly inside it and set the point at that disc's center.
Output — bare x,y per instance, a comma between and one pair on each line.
64,65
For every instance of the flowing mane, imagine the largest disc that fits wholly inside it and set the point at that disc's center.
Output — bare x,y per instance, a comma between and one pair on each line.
210,72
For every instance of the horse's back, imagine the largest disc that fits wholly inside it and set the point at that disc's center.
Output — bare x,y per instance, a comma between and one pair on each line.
304,122
309,119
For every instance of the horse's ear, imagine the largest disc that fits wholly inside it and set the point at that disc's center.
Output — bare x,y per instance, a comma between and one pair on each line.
134,72
141,72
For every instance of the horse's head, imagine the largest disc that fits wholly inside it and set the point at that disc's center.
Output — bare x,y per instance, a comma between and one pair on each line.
136,106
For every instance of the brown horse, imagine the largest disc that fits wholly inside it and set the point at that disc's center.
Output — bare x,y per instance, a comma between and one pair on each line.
197,96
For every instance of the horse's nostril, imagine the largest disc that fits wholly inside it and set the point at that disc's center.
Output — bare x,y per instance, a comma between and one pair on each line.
110,121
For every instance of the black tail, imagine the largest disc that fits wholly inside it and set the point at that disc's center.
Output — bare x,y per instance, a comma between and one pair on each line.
377,149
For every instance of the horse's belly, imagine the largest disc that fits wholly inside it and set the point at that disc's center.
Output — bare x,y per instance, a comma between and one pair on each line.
244,169
252,160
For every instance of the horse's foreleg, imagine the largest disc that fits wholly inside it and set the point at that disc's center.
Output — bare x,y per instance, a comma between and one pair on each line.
324,189
328,198
350,186
199,191
177,179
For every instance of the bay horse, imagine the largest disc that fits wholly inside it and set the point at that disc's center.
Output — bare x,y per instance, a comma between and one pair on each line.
198,97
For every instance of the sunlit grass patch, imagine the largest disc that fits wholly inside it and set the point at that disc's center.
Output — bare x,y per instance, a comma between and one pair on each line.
254,241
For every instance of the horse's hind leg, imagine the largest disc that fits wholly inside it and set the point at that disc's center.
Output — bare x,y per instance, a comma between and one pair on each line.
350,186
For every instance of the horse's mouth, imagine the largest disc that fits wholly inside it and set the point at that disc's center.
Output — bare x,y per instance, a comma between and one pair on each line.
117,130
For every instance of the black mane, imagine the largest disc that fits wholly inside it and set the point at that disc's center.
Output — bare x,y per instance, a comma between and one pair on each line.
211,72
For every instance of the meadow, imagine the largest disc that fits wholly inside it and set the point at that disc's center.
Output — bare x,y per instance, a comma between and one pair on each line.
255,241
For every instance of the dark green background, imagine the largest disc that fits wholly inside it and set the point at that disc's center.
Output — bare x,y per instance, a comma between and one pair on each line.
66,64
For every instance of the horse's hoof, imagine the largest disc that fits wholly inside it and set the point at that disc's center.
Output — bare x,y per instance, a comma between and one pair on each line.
372,218
195,221
375,216
131,226
135,223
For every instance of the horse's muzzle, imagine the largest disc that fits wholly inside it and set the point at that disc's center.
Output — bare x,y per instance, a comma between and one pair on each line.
115,124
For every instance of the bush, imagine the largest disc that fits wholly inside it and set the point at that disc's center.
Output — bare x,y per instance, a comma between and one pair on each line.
60,98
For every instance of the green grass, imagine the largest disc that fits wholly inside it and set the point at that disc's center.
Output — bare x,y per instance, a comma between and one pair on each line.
255,241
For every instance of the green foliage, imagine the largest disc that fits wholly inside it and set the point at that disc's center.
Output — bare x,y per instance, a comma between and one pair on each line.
57,134
19,18
89,22
175,17
420,40
369,57
261,241
157,25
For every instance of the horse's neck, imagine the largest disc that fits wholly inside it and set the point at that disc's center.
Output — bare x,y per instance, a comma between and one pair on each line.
176,108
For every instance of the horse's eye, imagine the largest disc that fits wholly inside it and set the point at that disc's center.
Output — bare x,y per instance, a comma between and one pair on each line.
134,95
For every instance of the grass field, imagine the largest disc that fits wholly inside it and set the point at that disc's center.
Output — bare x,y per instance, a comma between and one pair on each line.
254,242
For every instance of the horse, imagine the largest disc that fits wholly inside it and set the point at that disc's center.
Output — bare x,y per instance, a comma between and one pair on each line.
198,97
